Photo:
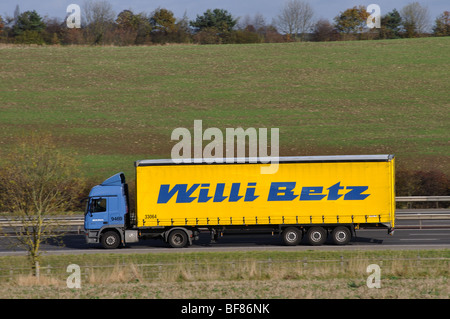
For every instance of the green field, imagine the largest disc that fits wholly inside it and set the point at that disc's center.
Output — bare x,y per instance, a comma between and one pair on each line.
110,106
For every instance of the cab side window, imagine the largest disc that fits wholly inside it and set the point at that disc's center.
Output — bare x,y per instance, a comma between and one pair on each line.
99,205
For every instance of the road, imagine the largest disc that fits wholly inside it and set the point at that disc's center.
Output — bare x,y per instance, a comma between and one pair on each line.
365,240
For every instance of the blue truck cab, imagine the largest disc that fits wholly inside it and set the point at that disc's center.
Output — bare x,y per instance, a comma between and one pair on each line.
107,215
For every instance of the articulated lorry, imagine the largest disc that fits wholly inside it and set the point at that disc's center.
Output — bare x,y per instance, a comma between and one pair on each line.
310,197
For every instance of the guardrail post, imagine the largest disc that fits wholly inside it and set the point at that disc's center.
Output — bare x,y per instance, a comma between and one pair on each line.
37,269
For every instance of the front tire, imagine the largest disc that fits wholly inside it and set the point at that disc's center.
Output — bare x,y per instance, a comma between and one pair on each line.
110,240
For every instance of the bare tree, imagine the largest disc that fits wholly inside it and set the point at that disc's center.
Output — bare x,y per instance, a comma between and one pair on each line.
98,18
323,30
415,17
243,22
16,13
257,22
36,183
295,18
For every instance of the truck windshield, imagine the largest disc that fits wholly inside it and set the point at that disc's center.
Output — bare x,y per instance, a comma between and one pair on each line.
86,210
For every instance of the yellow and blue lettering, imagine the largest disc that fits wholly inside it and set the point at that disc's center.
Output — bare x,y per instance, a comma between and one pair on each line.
278,191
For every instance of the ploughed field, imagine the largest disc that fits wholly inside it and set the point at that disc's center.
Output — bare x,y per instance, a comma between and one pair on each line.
110,106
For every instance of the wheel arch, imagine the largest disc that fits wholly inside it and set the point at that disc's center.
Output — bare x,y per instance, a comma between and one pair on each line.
118,230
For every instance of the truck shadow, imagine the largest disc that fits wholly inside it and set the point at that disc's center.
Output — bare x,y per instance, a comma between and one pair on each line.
73,241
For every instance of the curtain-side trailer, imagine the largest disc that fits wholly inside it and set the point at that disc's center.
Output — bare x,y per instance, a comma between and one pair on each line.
311,197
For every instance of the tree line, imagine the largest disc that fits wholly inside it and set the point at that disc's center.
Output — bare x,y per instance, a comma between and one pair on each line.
295,22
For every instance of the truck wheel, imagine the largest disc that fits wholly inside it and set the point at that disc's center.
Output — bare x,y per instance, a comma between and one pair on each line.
177,238
110,240
341,235
316,236
291,236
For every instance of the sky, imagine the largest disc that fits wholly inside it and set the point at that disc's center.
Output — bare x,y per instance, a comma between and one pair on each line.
326,9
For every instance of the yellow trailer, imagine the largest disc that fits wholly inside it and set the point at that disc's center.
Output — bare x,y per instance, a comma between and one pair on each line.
312,196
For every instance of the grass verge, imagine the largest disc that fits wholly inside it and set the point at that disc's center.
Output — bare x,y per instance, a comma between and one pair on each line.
270,274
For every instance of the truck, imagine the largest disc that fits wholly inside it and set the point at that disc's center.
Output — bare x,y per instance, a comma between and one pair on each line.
316,199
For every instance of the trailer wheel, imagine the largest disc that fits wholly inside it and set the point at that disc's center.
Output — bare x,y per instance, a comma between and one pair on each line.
291,236
177,238
316,236
110,240
341,235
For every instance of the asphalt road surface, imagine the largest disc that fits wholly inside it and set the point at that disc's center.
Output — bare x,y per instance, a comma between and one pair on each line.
365,240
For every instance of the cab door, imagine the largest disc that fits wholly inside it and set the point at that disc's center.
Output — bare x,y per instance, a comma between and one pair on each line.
97,213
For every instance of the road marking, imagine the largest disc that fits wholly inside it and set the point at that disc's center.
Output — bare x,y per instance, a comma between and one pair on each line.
419,239
428,234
